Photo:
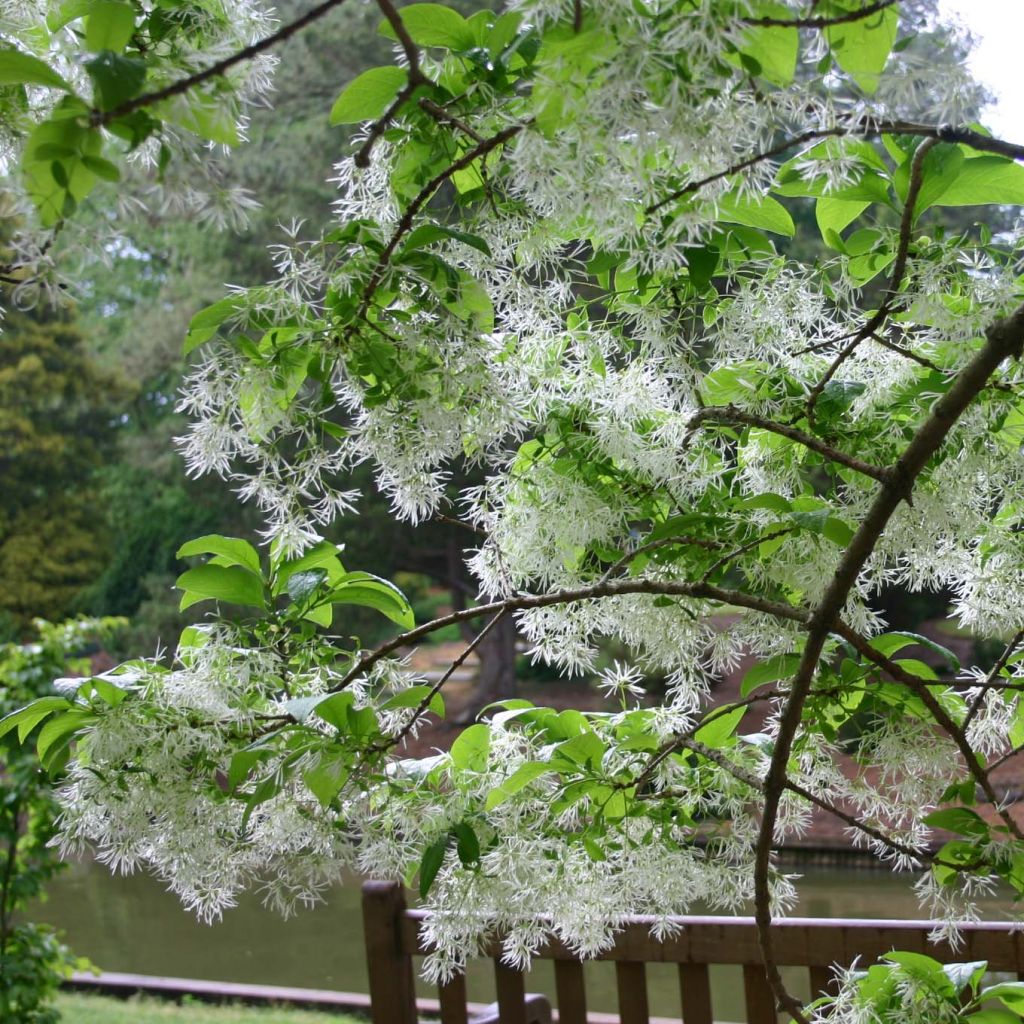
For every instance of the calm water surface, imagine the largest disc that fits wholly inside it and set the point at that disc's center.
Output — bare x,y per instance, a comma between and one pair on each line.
131,924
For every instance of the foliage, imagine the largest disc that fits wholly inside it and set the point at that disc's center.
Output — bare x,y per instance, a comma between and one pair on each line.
89,1009
557,253
57,413
912,985
32,959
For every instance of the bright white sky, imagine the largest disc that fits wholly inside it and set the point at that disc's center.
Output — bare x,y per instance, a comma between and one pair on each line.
998,60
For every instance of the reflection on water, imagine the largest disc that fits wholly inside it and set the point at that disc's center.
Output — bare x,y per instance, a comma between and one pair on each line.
131,924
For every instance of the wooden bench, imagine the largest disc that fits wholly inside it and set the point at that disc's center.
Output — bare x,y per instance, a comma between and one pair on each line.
393,940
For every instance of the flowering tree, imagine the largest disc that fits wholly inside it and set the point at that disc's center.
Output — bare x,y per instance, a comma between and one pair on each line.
560,254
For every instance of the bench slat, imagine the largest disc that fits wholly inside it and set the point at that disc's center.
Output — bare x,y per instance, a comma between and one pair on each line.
695,993
452,996
821,981
511,994
631,981
572,992
758,995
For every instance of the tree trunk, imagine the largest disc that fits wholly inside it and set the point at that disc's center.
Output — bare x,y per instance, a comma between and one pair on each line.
497,653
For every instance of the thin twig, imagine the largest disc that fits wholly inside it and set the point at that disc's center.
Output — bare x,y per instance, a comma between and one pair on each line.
420,200
733,414
183,85
424,705
899,270
864,128
990,679
415,80
820,22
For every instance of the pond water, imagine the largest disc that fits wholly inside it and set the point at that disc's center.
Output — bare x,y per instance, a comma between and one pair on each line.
131,924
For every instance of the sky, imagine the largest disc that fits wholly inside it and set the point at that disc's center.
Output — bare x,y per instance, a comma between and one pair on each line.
998,26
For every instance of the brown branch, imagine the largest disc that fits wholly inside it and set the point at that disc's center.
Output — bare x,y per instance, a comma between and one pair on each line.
733,414
221,67
899,270
820,22
749,779
424,704
415,80
654,545
743,549
864,128
942,718
990,679
1003,339
593,592
439,114
420,200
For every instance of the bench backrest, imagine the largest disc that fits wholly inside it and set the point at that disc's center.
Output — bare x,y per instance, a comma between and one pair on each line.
393,940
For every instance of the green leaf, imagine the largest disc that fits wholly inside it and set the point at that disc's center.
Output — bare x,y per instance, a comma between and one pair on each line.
585,749
204,325
230,551
997,1015
430,864
67,12
433,25
519,779
242,762
720,729
27,718
220,583
363,588
321,556
982,181
18,68
426,234
891,643
862,47
368,95
767,213
59,727
414,696
1011,993
776,47
961,820
109,26
469,751
835,215
102,168
836,398
967,974
940,170
300,708
115,79
302,585
466,844
781,666
326,778
702,262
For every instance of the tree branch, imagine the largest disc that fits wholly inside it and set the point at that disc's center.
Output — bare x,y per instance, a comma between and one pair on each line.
899,270
733,414
183,85
593,592
421,199
864,128
1004,338
820,22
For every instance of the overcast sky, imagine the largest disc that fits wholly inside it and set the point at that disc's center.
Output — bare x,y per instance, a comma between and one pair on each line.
998,60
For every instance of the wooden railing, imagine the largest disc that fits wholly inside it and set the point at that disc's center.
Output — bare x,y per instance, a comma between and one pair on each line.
393,940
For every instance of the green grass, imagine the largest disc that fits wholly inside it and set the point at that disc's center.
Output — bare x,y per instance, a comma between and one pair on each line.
89,1009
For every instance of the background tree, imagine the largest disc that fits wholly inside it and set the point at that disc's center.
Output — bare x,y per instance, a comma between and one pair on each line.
59,416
